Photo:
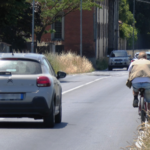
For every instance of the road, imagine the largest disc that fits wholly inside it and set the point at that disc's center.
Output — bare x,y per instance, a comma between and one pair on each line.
97,115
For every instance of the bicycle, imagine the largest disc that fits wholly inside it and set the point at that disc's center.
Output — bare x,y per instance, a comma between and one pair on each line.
142,106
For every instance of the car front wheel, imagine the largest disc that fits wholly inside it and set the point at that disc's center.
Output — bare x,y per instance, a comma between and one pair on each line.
49,121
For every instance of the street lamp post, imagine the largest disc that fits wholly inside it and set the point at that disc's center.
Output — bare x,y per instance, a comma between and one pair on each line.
32,44
81,28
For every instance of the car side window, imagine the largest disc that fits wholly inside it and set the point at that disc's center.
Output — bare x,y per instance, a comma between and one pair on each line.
47,66
51,68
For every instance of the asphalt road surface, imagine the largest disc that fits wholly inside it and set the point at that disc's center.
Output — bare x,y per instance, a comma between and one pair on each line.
97,115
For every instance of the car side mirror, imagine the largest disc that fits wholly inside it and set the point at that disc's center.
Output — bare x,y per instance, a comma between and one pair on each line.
61,74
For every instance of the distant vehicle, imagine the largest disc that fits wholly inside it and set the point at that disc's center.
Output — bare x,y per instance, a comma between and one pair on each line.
118,59
137,54
30,88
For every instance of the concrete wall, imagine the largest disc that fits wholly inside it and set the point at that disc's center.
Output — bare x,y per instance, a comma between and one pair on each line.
102,29
122,44
113,29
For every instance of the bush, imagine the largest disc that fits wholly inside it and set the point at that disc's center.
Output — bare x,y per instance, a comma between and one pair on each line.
70,63
102,63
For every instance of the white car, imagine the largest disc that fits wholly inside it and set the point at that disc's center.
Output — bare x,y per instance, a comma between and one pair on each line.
137,54
118,59
30,88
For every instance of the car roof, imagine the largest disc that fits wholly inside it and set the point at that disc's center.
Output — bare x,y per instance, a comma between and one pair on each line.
33,56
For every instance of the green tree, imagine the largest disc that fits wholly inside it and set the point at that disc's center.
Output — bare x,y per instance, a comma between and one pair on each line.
17,33
10,10
50,9
142,17
126,16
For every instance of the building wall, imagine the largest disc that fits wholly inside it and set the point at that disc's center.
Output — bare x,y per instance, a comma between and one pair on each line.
99,30
72,33
71,41
102,29
122,44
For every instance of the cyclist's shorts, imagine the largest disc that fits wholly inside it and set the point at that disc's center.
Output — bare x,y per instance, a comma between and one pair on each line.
146,86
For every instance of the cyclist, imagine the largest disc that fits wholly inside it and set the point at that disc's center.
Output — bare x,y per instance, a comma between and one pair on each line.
139,75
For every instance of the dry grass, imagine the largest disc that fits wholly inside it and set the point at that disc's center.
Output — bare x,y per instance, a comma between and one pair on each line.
70,63
143,140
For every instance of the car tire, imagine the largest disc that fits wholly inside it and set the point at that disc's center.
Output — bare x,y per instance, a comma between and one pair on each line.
58,117
110,68
49,121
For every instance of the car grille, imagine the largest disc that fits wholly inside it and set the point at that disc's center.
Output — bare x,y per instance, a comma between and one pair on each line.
118,59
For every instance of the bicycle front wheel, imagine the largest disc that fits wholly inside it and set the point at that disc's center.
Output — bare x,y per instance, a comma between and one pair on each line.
143,113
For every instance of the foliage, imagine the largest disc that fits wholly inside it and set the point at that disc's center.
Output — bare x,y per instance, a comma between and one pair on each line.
17,33
126,31
10,10
51,9
141,15
102,63
126,16
69,63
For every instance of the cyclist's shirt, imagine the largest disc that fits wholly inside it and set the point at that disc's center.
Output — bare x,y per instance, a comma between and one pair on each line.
139,79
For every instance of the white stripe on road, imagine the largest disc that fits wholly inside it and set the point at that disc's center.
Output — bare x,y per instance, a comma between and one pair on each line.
83,85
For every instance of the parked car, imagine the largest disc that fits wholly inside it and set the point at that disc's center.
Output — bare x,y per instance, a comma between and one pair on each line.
118,59
30,88
137,54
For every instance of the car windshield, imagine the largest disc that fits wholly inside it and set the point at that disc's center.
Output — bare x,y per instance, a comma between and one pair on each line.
118,54
19,67
148,56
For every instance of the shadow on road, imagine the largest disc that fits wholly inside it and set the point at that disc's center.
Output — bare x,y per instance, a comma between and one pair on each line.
67,81
29,125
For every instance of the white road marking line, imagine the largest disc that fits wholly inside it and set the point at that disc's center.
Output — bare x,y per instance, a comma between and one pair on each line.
2,118
83,85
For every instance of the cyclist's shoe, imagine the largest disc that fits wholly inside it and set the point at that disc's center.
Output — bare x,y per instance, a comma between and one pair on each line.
135,102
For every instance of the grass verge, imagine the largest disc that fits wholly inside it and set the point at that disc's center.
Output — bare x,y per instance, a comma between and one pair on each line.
70,63
143,140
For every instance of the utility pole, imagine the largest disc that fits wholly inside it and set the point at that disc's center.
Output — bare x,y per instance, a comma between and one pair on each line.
32,44
81,28
133,24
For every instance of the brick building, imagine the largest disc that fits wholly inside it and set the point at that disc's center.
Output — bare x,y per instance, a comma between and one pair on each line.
96,25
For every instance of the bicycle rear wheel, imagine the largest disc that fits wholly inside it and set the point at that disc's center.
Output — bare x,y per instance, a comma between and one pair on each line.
143,113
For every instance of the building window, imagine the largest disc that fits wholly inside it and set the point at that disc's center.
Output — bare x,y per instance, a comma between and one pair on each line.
58,26
58,29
